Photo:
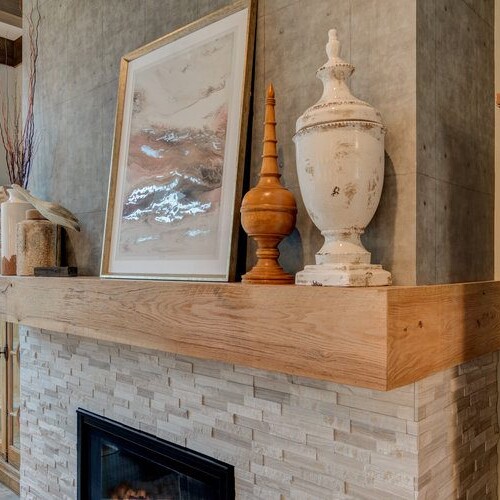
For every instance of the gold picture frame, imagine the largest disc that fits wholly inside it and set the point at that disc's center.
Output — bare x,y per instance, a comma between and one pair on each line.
179,152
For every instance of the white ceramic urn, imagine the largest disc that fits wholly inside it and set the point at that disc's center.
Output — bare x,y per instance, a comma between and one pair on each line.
340,162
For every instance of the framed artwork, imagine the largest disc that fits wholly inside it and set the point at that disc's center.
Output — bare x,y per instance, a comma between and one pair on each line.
179,152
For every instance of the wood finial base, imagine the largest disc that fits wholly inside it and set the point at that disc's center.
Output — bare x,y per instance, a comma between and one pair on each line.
267,271
268,211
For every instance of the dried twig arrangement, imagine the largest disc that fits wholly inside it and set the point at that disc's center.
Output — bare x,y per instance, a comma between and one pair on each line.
20,141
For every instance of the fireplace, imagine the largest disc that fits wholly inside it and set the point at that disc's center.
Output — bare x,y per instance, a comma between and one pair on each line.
117,461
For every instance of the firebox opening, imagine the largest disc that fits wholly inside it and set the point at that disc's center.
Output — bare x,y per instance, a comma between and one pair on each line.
118,462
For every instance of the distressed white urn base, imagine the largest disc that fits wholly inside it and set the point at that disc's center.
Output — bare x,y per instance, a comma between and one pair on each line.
343,275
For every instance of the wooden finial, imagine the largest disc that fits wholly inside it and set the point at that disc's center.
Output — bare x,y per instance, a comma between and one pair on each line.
270,153
268,211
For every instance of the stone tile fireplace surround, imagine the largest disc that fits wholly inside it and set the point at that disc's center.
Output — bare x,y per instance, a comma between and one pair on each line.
287,436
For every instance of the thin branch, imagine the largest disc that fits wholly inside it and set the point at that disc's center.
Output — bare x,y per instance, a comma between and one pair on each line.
20,141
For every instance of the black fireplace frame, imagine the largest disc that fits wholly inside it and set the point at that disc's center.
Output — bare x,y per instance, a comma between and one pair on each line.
218,475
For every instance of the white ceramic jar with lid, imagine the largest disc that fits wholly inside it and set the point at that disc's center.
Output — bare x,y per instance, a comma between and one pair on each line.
340,163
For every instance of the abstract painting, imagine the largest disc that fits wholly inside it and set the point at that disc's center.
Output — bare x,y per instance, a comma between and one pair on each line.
178,156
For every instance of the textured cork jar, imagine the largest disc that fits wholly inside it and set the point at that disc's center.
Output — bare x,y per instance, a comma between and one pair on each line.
38,243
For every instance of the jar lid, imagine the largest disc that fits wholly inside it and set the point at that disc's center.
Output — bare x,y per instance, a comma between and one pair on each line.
33,214
337,104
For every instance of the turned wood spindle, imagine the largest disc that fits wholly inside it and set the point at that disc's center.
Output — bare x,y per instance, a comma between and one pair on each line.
268,211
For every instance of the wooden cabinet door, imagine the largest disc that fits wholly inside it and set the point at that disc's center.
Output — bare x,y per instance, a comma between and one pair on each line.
3,390
13,396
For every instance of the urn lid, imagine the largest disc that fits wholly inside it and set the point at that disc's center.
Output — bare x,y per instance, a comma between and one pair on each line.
337,104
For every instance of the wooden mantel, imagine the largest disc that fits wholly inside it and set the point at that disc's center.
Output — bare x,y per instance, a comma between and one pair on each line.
378,338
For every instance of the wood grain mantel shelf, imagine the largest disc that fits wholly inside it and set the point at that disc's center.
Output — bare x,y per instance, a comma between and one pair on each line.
378,338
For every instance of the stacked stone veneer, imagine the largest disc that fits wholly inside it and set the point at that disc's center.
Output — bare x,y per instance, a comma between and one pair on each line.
456,415
288,437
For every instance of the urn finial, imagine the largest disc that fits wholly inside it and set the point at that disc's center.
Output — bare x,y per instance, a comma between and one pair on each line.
268,210
333,46
335,68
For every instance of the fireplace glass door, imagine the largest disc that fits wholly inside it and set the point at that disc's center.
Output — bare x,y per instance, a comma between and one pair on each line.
125,474
118,462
